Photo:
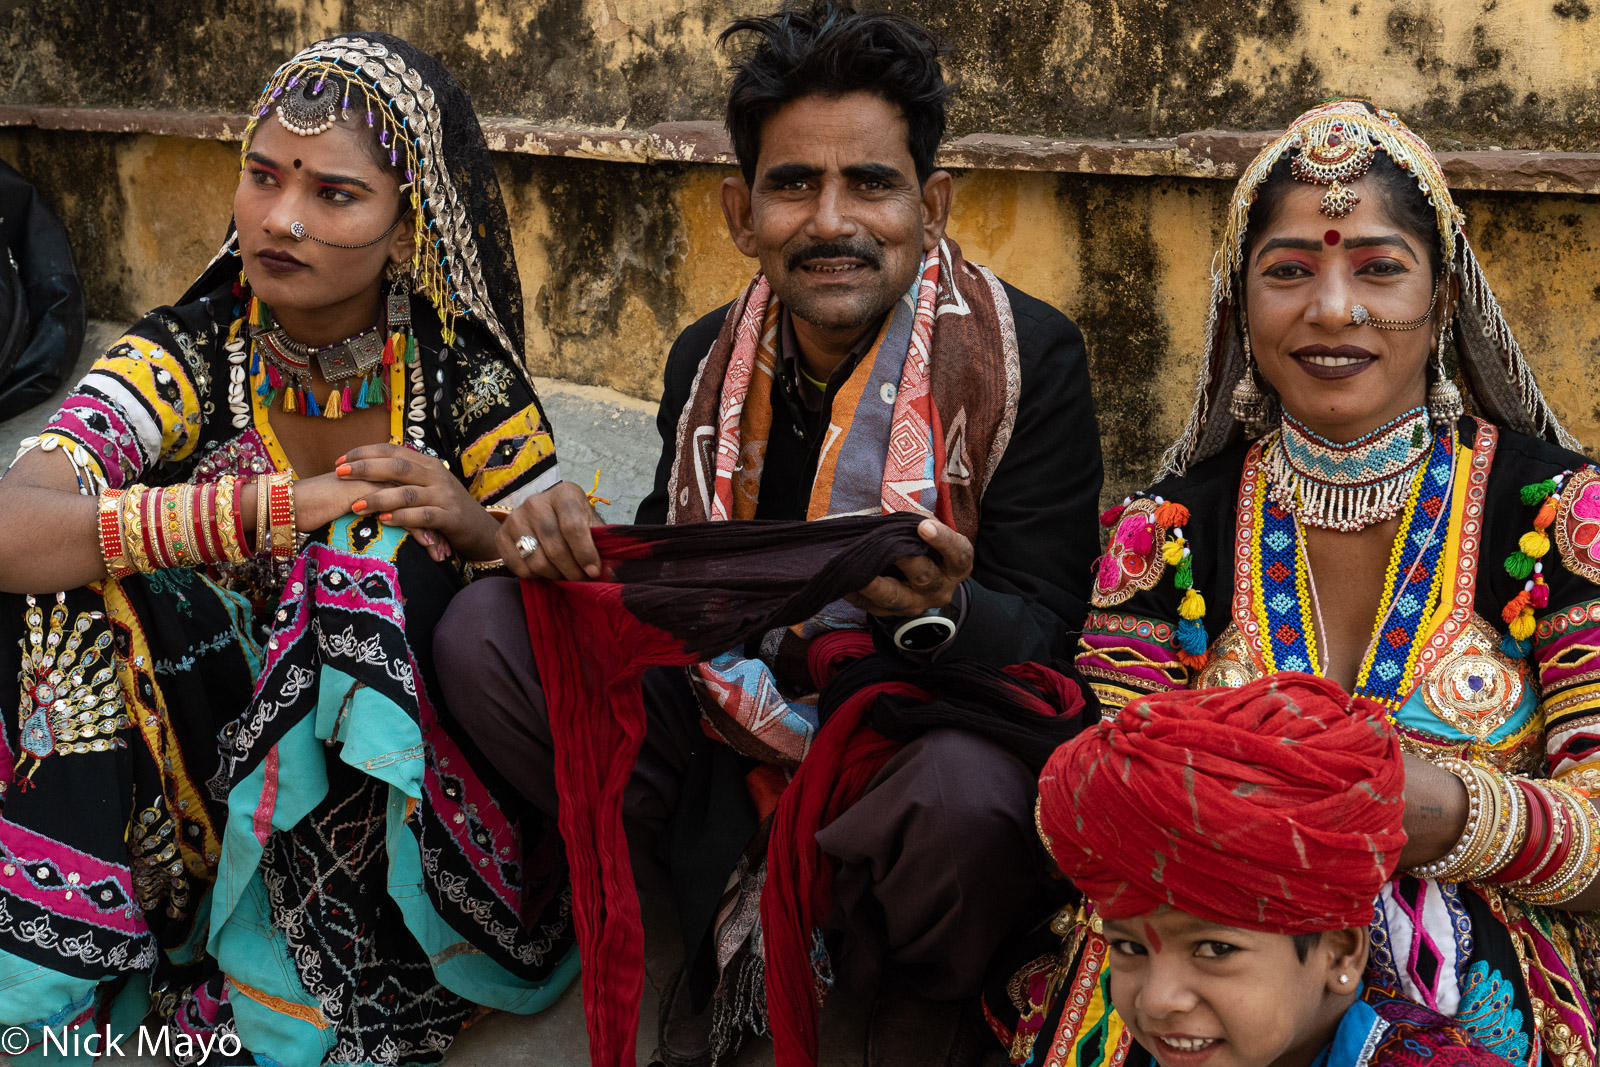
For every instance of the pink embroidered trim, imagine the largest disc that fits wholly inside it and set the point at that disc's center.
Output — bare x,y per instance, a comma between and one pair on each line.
261,821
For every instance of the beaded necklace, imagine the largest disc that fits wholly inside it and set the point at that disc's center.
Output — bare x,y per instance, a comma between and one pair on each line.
1286,610
1346,487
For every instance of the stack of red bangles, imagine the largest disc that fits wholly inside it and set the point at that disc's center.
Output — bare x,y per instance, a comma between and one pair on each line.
144,529
1540,838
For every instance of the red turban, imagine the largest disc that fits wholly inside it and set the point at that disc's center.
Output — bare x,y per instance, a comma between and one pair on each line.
1276,806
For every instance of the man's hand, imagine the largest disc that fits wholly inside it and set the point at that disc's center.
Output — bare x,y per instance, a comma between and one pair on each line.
929,583
559,520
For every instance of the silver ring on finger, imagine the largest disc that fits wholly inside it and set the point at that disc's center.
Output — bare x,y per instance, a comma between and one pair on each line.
527,545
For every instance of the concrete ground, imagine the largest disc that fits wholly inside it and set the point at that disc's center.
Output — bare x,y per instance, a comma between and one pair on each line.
595,428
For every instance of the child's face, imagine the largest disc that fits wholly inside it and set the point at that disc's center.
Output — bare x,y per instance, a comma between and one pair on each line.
1195,993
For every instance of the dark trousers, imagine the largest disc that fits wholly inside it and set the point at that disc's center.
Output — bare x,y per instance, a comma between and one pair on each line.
936,863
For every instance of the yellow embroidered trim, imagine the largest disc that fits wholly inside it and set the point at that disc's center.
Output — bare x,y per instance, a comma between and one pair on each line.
1569,701
180,427
487,483
1585,777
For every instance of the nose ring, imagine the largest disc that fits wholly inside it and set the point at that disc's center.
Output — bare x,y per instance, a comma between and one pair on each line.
298,230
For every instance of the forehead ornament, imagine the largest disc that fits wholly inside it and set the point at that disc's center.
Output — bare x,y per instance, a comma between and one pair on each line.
1332,155
307,106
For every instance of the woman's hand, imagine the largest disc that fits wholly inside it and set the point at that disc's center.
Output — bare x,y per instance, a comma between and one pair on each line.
559,520
419,493
320,500
1436,812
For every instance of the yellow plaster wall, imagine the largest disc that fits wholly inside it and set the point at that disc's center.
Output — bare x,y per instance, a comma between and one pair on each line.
177,200
1518,73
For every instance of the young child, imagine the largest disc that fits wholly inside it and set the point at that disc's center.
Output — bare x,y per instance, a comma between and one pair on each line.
1229,844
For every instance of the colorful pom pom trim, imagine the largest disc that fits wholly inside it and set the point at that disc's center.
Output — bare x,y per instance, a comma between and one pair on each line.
1190,632
1524,564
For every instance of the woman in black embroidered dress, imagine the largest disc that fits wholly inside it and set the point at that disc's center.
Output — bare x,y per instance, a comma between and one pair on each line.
226,784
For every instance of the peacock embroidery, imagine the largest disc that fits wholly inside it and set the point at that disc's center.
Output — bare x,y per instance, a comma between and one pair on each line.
70,703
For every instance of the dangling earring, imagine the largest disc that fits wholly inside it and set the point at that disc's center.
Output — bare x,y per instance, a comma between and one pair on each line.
1444,396
1248,404
399,275
397,309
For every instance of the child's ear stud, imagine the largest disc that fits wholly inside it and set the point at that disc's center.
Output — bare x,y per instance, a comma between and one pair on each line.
1343,978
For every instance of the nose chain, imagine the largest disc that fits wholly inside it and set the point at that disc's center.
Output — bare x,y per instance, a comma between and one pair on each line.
1360,316
298,231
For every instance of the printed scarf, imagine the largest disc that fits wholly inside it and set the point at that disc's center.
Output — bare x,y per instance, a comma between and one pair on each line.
666,595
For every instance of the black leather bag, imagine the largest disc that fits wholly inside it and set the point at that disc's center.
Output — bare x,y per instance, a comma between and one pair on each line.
41,301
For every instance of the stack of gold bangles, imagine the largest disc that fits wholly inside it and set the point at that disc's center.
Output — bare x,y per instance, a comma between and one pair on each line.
144,529
1539,838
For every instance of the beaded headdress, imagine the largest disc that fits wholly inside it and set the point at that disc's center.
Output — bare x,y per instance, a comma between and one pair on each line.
364,77
1331,145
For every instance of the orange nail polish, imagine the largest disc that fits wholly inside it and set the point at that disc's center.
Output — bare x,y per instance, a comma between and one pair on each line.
342,469
385,517
359,505
341,459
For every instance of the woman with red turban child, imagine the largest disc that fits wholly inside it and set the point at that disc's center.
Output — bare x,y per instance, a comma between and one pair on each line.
1372,488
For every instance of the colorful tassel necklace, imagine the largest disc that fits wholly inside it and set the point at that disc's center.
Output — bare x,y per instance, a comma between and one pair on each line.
356,368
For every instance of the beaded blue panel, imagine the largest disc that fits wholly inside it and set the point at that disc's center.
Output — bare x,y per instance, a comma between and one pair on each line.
1286,615
1287,636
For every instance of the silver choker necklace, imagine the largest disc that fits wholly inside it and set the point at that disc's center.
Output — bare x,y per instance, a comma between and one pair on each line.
1347,487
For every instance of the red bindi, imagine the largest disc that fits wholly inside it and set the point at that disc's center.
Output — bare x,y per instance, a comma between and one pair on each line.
1330,238
1151,936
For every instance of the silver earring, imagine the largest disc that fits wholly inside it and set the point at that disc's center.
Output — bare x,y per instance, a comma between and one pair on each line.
1248,404
399,274
1444,396
1343,978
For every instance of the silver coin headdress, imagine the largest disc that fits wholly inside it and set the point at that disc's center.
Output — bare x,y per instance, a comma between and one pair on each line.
333,80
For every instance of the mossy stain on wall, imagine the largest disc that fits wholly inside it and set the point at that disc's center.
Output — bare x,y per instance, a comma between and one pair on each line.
1515,74
608,247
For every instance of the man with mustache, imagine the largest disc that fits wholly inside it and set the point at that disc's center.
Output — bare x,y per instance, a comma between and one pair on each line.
867,368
